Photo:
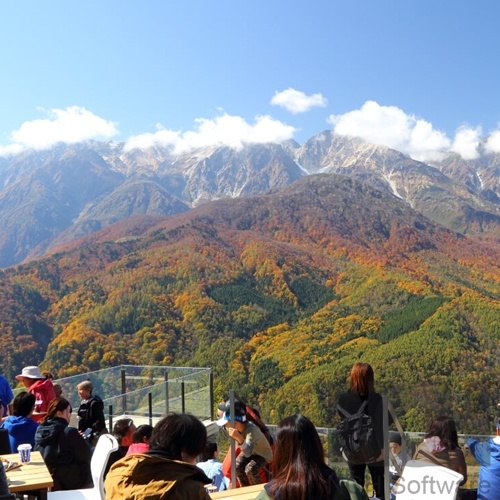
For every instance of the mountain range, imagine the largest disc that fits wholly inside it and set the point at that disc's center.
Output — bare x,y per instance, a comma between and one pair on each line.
51,198
279,294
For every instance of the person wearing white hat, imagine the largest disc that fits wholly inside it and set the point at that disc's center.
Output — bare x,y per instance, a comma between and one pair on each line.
40,386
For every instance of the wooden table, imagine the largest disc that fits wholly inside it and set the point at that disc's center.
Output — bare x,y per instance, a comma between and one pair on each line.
245,493
30,477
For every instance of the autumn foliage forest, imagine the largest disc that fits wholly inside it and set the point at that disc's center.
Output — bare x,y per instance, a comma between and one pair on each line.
279,294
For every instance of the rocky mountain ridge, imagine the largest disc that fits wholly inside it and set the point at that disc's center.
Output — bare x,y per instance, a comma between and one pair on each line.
53,197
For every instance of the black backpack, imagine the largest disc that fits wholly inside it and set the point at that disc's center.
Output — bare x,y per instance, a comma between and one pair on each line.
87,413
357,437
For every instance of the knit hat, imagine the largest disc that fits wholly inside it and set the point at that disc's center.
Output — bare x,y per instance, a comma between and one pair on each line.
395,437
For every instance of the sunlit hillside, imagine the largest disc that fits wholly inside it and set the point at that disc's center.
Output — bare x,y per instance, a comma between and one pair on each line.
279,294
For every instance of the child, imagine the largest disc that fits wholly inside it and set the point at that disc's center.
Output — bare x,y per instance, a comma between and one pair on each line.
140,439
397,451
255,448
211,466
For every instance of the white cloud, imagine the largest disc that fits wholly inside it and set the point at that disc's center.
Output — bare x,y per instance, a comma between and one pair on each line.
224,130
392,127
71,125
161,137
296,101
10,150
466,142
493,142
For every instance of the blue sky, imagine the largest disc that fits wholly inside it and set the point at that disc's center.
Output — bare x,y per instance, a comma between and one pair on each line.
420,76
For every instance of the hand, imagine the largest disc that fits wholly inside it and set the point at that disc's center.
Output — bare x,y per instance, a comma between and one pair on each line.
236,435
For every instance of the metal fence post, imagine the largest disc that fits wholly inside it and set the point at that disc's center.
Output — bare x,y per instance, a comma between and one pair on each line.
150,408
233,443
211,384
110,416
385,427
124,391
166,393
183,395
388,409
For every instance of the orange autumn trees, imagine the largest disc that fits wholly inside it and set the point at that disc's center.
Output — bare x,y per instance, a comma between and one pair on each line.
279,295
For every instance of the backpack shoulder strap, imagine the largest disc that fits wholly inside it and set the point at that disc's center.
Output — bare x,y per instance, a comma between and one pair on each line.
363,406
344,412
95,401
348,415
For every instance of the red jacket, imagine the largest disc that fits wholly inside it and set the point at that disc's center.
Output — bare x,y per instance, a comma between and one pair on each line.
43,390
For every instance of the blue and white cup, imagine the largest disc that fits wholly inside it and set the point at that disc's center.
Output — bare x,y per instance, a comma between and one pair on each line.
24,453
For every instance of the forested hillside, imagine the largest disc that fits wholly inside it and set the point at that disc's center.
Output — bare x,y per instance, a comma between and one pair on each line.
279,294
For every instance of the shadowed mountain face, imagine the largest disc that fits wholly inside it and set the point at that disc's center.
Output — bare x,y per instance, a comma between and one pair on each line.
53,197
279,294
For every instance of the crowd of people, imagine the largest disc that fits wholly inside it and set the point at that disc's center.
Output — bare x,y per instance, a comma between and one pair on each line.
173,459
40,416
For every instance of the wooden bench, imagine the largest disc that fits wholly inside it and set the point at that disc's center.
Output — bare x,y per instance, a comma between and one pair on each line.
245,493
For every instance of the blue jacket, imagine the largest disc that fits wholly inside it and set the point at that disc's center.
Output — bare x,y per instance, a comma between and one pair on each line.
213,469
21,430
6,395
488,456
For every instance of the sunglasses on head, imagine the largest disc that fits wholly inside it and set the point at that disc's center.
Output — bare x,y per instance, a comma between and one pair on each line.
125,425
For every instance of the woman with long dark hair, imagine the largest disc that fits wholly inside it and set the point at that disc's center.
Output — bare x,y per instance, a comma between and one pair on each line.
299,469
361,391
440,446
63,449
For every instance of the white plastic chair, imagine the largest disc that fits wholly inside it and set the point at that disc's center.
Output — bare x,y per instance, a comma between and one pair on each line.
423,480
104,447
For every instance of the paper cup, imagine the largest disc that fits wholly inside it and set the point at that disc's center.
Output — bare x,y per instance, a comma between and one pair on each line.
24,453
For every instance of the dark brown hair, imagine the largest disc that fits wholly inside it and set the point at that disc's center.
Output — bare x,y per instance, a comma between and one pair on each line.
209,451
179,433
121,428
299,461
143,431
58,404
23,404
444,428
362,379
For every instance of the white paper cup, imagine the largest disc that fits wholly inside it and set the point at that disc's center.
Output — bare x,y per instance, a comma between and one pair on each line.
24,453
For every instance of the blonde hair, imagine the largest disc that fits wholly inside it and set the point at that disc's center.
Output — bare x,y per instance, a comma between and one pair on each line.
86,384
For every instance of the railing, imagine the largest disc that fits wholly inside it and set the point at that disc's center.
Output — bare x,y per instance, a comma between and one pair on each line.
331,445
147,391
151,391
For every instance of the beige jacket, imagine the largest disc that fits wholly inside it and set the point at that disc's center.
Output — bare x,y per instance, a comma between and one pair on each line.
144,476
451,459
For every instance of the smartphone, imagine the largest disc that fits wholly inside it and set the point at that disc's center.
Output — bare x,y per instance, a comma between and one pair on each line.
87,433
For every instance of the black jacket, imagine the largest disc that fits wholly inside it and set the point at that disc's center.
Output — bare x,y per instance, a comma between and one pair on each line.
4,487
351,403
91,415
65,453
